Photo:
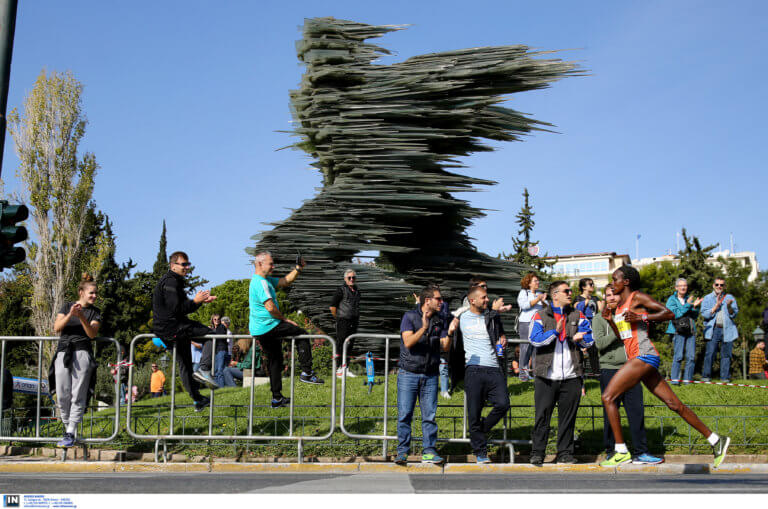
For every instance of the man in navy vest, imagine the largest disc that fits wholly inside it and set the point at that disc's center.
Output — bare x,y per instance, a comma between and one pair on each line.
422,336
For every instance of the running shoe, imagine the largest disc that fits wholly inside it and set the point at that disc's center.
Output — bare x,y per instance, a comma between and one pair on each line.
401,459
647,459
706,379
445,395
202,403
537,460
566,459
720,448
282,401
67,441
483,459
206,378
617,459
674,382
431,457
350,374
310,379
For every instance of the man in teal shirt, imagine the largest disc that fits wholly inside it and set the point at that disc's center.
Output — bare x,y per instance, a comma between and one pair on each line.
268,325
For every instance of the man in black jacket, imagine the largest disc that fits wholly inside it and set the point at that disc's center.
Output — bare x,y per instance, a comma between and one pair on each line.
345,308
170,307
484,377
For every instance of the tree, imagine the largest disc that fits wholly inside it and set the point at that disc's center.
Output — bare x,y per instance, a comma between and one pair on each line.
59,185
694,267
96,245
522,244
161,263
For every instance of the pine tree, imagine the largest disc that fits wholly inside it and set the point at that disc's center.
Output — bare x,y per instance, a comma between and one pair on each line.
523,242
161,263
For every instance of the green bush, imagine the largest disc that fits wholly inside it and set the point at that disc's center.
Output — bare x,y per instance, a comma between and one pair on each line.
322,357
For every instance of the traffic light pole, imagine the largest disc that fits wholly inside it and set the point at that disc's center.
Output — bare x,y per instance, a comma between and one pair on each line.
7,29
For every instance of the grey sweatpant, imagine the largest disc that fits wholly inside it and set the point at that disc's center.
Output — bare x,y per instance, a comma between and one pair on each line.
72,388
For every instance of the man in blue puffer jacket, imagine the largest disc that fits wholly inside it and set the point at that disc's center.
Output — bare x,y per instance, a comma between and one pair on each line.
683,340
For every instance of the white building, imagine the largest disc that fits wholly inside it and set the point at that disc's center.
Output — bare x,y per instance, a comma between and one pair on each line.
745,258
597,266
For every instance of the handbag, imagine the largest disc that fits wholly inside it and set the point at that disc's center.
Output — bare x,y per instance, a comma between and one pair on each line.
683,325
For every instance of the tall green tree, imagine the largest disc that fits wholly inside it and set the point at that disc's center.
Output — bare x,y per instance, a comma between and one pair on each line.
161,262
522,244
57,184
694,266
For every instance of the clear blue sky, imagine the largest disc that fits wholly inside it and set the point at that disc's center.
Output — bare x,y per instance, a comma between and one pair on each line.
185,99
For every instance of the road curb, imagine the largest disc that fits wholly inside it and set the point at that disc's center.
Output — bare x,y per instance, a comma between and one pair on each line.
370,468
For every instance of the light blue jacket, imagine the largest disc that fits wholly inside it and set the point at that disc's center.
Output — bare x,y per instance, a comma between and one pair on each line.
730,332
673,304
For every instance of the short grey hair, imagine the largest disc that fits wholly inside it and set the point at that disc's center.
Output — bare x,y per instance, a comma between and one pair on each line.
681,280
349,271
225,319
260,257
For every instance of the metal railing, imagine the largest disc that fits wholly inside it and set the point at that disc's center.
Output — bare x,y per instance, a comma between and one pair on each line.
38,437
384,437
291,436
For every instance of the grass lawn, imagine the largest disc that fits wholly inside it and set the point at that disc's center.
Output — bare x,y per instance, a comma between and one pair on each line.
741,413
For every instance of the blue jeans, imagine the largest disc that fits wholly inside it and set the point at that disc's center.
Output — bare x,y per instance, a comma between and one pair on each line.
725,355
683,346
229,374
220,362
444,380
409,387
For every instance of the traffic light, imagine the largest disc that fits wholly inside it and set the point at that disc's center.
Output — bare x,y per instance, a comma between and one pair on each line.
11,234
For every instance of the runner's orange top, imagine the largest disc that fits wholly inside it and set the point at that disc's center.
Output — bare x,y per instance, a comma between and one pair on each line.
635,335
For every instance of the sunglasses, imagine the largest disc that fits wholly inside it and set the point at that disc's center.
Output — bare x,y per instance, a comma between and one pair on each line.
437,298
351,277
185,264
567,290
719,286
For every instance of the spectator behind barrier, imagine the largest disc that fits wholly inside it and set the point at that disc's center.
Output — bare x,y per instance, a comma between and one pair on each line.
74,367
422,336
719,309
269,327
170,307
345,308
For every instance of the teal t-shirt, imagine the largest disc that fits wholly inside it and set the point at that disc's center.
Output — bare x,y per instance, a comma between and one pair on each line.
260,291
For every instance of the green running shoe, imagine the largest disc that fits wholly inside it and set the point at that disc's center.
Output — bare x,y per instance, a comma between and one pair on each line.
431,457
617,459
720,448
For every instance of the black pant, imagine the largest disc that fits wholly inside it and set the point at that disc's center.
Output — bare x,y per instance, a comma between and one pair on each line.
633,406
483,383
344,328
272,346
547,393
184,355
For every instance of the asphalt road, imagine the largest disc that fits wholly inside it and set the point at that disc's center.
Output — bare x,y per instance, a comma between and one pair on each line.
380,483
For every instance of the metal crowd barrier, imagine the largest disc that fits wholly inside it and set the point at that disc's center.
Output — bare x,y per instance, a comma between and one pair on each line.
37,437
300,439
509,443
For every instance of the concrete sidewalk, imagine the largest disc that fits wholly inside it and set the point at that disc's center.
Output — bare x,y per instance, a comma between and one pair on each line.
44,465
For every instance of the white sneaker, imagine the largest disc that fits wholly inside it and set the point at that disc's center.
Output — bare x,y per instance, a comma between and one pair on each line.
445,395
340,371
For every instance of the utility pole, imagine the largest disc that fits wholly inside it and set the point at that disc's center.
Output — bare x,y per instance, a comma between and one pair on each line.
7,29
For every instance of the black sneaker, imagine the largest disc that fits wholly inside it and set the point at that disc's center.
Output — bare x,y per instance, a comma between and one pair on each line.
311,379
204,402
537,460
282,401
566,459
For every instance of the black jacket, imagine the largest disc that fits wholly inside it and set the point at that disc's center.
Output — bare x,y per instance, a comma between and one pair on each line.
170,306
495,331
